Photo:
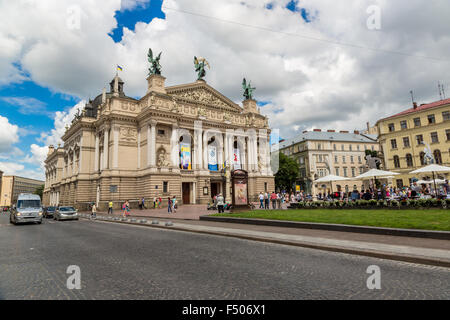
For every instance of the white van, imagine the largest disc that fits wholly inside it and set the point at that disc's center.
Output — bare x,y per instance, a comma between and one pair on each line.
27,209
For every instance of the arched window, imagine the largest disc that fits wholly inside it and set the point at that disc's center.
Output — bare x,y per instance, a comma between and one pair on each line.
409,160
422,158
437,156
396,162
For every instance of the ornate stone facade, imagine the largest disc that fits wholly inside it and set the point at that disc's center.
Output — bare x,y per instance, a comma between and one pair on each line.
122,149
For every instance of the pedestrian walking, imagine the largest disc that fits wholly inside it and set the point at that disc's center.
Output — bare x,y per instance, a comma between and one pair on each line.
279,200
169,205
140,204
266,200
261,200
174,203
110,207
220,203
93,211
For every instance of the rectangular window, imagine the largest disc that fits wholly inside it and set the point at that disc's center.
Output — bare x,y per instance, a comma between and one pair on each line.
334,147
351,159
343,159
406,142
434,137
350,147
345,172
447,133
361,170
416,122
431,119
342,147
394,144
419,139
399,183
353,172
319,146
161,132
446,115
336,157
359,159
403,124
337,171
113,189
165,187
391,127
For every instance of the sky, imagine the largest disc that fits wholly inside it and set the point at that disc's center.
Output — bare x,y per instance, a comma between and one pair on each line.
315,63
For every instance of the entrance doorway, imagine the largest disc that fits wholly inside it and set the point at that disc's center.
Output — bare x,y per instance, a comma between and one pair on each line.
215,189
186,189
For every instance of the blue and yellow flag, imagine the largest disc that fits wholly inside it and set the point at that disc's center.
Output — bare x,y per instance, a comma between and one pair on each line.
119,68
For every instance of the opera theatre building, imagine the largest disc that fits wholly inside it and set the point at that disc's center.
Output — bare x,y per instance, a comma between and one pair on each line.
185,141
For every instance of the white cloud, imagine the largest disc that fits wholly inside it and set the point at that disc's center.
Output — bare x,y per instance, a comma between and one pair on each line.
133,4
61,120
8,135
309,83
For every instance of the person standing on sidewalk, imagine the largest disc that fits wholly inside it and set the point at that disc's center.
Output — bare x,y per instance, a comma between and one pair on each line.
273,198
261,200
169,205
279,200
220,203
266,200
110,207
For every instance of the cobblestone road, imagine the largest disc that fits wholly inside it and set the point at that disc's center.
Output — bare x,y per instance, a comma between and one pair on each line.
131,262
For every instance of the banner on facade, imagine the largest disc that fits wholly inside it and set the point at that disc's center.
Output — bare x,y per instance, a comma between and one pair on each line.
212,159
185,156
237,160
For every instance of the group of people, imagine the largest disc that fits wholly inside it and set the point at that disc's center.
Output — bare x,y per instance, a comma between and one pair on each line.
415,191
276,198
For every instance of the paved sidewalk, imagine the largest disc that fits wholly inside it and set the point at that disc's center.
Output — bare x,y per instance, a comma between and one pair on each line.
185,212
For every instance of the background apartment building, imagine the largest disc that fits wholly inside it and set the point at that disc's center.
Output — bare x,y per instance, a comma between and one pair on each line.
320,153
12,186
404,136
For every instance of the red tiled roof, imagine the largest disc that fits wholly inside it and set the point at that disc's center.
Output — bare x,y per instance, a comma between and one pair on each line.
421,108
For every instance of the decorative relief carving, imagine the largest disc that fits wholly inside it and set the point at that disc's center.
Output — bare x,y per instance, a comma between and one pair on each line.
128,134
203,96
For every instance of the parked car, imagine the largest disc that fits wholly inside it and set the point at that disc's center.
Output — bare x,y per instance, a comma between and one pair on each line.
65,213
49,212
27,209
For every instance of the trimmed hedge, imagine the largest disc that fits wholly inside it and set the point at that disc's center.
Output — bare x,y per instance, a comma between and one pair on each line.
373,204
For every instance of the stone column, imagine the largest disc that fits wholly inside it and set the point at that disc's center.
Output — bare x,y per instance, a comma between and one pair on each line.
149,139
106,148
199,151
174,146
153,143
97,149
116,146
205,150
139,148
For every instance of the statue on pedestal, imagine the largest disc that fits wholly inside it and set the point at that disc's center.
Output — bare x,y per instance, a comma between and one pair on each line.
200,64
248,90
155,67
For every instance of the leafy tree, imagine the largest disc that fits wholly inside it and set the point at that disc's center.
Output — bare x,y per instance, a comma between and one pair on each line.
39,190
287,173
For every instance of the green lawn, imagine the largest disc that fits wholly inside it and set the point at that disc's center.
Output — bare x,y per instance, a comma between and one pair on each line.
429,219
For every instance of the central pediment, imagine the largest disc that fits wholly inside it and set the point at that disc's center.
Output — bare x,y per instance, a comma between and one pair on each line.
201,92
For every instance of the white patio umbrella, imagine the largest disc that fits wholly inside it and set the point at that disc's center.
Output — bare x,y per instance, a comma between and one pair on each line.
438,181
432,168
374,174
331,178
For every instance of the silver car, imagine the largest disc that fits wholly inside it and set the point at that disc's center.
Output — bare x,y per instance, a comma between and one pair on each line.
27,209
65,213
